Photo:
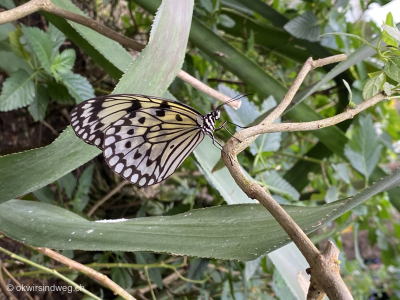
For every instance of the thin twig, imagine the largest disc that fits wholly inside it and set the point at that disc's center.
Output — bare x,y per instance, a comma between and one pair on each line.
106,197
4,287
50,271
17,282
86,270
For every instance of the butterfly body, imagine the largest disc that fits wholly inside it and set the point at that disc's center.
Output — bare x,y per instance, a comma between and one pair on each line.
144,139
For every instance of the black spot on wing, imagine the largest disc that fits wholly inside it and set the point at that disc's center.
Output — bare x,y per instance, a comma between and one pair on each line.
142,120
128,145
137,155
160,113
130,131
165,104
178,117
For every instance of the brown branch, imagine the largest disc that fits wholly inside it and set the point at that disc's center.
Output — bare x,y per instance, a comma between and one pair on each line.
86,270
47,6
3,285
324,279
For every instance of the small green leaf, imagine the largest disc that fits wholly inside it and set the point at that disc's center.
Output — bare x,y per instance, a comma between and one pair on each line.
349,90
39,105
18,91
45,195
387,37
63,62
81,197
207,4
154,273
59,93
373,86
121,277
332,194
392,31
274,182
78,86
16,45
387,88
364,149
56,37
41,44
67,183
342,171
305,26
392,68
226,21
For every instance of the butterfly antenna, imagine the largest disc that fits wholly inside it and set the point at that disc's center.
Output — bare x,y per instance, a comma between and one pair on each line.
237,97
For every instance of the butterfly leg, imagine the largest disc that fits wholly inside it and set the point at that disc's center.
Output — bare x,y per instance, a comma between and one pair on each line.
215,143
223,126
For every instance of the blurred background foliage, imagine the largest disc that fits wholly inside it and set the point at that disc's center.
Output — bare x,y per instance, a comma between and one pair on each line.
53,73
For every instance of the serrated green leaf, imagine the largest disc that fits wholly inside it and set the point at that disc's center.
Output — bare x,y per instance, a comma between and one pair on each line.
45,195
41,45
392,31
18,91
387,88
274,182
387,37
63,62
16,46
38,107
364,149
59,93
392,68
10,62
81,197
305,26
373,86
68,184
349,90
78,86
56,37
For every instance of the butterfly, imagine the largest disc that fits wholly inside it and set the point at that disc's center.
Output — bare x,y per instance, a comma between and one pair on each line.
144,139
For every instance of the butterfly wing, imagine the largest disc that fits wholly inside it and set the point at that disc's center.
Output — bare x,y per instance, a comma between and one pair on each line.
148,145
91,118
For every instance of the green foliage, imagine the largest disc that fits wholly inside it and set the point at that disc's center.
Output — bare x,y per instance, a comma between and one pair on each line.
243,44
34,67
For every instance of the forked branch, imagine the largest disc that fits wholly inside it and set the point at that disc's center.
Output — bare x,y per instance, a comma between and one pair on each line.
324,268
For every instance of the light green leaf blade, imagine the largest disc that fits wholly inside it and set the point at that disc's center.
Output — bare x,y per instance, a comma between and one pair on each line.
64,61
15,43
392,68
373,86
45,195
364,149
18,91
81,197
41,44
392,31
5,29
305,26
78,86
56,37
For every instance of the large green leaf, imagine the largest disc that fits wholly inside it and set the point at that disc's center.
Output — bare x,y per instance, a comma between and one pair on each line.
225,232
68,152
78,86
305,26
